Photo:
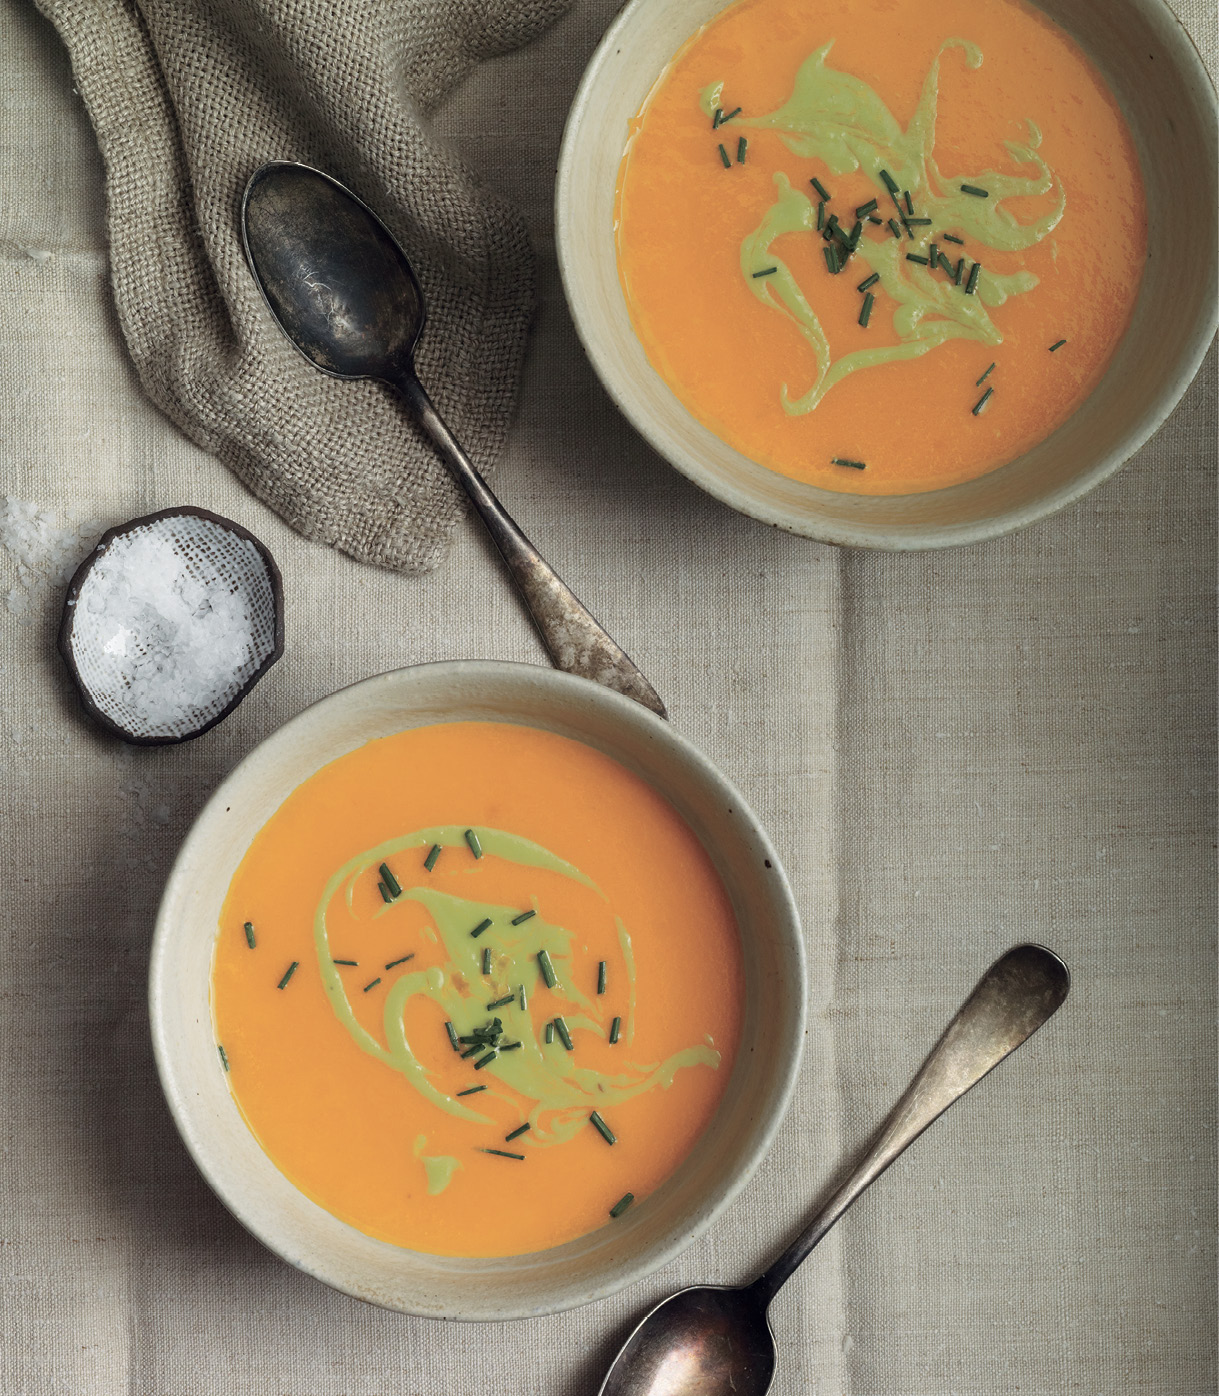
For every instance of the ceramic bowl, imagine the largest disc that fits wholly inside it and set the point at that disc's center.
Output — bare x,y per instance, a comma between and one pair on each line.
653,1230
1169,102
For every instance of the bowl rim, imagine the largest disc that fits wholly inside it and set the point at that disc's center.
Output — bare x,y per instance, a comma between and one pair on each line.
859,535
787,927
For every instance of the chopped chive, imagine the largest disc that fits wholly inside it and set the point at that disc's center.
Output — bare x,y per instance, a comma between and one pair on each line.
919,222
906,225
981,402
888,181
386,895
480,928
549,1033
501,1153
621,1205
602,967
872,218
984,377
736,111
856,233
482,1061
615,1029
766,271
717,119
933,256
288,973
564,1036
508,1046
486,959
914,257
499,1003
869,281
475,847
471,1051
393,964
249,934
894,229
975,191
430,861
373,984
524,916
956,276
1059,345
821,189
741,146
452,1032
972,284
224,1061
854,464
840,232
864,209
353,963
945,264
522,998
831,259
547,969
391,882
471,1090
909,202
821,216
952,237
517,1132
724,157
865,313
602,1128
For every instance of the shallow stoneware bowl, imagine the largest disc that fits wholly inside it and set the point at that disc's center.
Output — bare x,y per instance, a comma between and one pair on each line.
1169,102
653,1230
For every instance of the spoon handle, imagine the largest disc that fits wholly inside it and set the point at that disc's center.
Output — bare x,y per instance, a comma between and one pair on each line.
1011,1001
573,638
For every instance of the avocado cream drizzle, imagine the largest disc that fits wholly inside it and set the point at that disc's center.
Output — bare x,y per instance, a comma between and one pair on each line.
562,1091
840,120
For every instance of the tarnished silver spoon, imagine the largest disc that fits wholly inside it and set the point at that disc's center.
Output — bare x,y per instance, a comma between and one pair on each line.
345,294
715,1341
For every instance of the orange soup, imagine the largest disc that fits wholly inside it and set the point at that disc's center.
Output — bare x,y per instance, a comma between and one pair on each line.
880,246
477,989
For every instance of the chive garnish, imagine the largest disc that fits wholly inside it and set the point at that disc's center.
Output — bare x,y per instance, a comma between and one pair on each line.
869,281
741,146
975,191
521,997
224,1061
373,984
499,1003
872,218
602,967
486,959
602,1128
472,1051
933,256
856,233
508,1046
914,257
981,402
972,284
500,1153
393,964
724,157
919,222
353,963
831,259
249,934
471,1090
821,189
386,895
909,202
956,276
984,377
736,111
524,916
564,1036
391,882
452,1032
430,861
717,119
475,847
854,464
821,216
482,1061
621,1205
888,181
517,1132
615,1029
766,271
547,969
480,928
945,264
865,313
1059,345
951,237
864,209
894,229
288,973
549,1033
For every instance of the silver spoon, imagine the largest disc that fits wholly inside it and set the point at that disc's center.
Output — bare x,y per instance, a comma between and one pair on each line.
712,1341
346,296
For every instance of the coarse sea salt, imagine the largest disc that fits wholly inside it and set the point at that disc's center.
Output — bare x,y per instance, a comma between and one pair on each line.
45,549
168,630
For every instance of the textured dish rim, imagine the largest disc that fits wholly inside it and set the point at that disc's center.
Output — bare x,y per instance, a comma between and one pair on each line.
859,535
176,1086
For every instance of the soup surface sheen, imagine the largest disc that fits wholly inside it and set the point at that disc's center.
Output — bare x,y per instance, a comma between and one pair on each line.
531,895
911,374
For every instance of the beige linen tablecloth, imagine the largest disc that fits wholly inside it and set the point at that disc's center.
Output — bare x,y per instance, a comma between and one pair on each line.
952,751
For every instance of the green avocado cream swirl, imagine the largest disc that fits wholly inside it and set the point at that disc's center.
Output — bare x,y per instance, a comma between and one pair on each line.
561,1091
839,120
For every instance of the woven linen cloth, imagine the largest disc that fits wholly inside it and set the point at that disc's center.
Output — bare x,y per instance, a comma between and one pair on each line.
187,101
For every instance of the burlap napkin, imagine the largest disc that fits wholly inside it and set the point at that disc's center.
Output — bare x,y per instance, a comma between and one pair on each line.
187,98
